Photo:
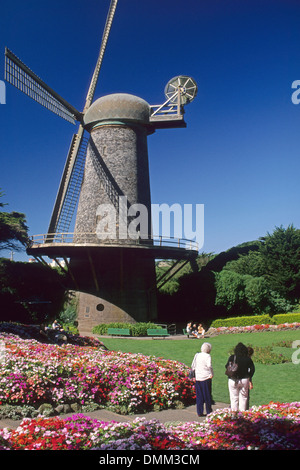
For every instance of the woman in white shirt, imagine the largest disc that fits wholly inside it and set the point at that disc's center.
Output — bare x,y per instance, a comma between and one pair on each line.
202,365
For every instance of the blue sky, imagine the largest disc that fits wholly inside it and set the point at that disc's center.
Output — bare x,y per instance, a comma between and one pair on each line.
239,155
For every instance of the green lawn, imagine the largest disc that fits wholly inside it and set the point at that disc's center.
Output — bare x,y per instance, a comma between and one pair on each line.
279,382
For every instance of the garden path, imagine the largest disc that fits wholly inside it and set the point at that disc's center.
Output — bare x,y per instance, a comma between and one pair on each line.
185,415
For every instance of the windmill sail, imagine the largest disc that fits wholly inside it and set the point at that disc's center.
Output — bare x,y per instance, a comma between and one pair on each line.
109,20
70,184
23,78
69,188
20,76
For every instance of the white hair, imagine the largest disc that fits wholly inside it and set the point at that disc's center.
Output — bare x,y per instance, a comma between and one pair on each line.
206,347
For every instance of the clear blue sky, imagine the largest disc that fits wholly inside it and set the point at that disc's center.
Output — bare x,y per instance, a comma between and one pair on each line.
239,155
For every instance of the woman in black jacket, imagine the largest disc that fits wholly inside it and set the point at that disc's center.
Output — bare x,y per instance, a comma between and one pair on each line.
239,384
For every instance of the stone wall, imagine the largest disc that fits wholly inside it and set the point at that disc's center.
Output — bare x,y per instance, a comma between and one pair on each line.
116,166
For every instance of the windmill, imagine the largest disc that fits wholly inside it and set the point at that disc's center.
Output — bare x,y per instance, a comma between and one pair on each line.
107,167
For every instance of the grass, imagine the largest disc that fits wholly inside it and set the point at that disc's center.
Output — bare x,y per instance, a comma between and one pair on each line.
278,382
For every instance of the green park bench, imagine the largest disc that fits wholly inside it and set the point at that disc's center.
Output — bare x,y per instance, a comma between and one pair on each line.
118,331
159,332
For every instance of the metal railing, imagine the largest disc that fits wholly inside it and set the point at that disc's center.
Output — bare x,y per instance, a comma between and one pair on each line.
95,239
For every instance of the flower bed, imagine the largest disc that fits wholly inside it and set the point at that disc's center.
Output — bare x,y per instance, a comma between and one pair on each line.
33,332
275,426
250,329
33,373
270,427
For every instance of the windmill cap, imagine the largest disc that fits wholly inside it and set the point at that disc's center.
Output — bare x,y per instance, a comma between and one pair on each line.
118,106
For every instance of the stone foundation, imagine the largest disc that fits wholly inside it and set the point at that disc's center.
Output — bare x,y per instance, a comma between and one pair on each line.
93,310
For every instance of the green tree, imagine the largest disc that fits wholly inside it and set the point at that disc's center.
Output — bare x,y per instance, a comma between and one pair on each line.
251,263
230,291
245,294
280,252
13,230
257,293
217,262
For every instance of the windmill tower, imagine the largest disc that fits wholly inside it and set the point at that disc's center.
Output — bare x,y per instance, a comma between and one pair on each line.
110,256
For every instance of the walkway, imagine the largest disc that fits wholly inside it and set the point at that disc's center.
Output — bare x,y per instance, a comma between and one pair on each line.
186,415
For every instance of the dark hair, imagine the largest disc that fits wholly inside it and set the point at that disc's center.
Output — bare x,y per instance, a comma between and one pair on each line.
250,351
241,350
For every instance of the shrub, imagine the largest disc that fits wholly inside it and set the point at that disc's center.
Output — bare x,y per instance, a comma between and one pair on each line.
278,304
140,329
136,329
265,319
283,344
266,355
286,318
17,412
243,321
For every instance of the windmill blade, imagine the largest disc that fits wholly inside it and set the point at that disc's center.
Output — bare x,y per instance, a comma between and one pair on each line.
70,184
20,76
109,20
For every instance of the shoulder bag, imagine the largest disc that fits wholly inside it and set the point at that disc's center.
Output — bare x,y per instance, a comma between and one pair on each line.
231,369
192,373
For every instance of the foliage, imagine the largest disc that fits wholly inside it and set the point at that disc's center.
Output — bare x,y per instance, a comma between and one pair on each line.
52,362
269,381
283,343
13,230
195,298
278,304
250,263
261,276
280,252
80,432
173,284
266,355
69,311
264,319
265,280
230,291
136,329
68,315
286,318
30,292
277,260
242,321
33,373
219,261
17,412
257,293
269,427
29,332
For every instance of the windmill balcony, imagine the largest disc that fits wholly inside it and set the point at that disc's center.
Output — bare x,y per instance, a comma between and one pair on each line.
156,247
